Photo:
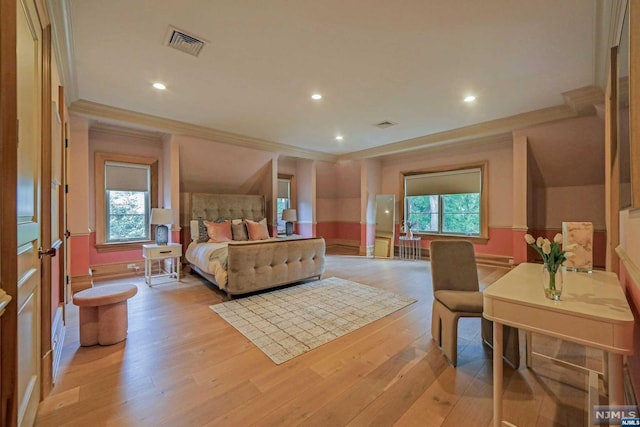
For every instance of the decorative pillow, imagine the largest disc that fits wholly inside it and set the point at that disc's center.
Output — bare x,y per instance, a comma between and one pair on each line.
239,231
218,231
202,231
257,230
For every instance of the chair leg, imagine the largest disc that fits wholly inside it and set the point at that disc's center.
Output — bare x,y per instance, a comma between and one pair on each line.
449,335
436,328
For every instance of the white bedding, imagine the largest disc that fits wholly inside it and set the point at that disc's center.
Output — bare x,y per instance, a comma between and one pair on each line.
212,258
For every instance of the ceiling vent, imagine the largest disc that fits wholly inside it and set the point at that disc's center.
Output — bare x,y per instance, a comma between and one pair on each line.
184,41
385,124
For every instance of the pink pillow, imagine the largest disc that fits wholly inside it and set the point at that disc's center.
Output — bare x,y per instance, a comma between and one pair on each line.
257,230
218,231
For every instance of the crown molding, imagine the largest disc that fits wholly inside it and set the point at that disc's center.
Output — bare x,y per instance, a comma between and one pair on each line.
583,100
481,141
479,130
100,111
115,130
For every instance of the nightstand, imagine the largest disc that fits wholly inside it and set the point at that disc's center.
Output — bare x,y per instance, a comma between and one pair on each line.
153,252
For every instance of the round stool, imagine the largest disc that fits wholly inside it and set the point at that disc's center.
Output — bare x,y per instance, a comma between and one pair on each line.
103,313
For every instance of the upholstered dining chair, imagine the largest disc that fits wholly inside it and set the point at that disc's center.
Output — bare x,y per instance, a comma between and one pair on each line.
456,292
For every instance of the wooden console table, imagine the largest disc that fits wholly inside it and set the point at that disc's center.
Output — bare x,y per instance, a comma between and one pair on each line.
592,311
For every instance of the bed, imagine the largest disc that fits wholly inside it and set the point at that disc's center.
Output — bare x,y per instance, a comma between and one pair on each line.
240,267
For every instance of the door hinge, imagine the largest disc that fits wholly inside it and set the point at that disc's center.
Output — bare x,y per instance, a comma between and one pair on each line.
66,188
66,143
67,278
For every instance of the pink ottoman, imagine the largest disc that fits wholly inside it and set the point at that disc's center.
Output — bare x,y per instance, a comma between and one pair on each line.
103,313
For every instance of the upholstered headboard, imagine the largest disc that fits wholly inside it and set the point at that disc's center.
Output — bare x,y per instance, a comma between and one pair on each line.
230,206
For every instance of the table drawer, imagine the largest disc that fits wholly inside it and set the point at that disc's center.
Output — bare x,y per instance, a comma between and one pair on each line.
162,251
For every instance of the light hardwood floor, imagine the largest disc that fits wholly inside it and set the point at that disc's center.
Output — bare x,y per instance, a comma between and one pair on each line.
182,365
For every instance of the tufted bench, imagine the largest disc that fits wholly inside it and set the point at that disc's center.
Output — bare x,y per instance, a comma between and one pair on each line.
103,313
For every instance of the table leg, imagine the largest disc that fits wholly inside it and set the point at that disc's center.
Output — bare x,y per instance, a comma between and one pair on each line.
497,374
177,264
528,338
147,271
616,381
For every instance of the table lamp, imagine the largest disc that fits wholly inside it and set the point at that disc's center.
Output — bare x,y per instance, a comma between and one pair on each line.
290,216
161,217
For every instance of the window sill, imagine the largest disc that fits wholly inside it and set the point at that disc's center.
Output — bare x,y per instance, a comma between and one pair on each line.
481,240
120,247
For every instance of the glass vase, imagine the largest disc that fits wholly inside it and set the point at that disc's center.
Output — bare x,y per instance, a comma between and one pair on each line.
552,281
410,234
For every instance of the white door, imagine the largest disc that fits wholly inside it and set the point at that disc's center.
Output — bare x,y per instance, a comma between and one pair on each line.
28,201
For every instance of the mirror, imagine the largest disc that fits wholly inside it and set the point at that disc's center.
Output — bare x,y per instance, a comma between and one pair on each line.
385,226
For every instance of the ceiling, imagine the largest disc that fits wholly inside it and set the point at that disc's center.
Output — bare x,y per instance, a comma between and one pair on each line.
410,62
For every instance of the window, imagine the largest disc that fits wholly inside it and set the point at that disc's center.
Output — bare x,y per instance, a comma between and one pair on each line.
127,202
126,188
446,202
283,200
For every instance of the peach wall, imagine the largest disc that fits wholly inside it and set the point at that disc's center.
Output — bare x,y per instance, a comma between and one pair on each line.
338,203
96,258
306,184
77,176
78,196
79,254
328,230
287,166
327,180
327,210
521,183
306,230
213,167
576,204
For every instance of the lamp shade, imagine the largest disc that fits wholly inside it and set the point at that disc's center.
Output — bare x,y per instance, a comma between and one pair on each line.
161,216
289,215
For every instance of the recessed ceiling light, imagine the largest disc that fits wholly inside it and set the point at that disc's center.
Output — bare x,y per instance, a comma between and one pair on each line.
316,97
159,86
469,98
339,138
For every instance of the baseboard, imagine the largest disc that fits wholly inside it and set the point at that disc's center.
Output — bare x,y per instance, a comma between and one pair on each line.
494,260
343,242
58,331
117,270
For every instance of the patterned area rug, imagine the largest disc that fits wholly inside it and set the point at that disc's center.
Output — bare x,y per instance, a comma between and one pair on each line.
288,322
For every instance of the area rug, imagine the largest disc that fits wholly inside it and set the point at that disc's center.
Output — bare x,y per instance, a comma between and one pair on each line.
288,322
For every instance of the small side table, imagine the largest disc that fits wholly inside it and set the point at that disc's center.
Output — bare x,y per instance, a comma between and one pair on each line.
154,252
410,247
